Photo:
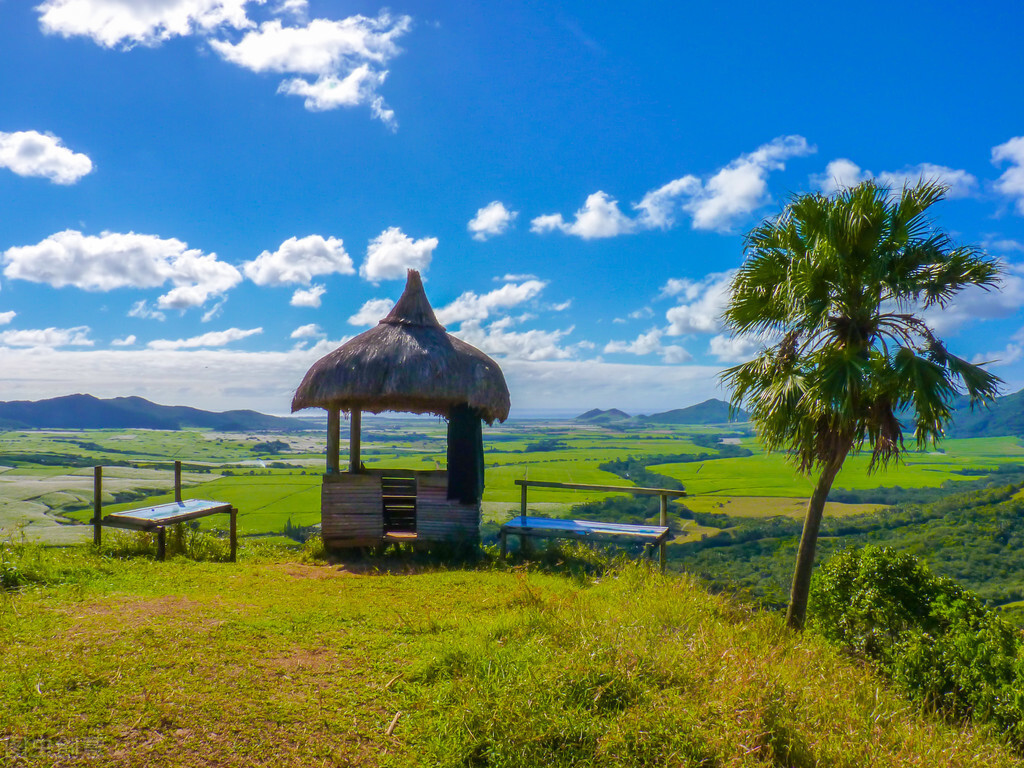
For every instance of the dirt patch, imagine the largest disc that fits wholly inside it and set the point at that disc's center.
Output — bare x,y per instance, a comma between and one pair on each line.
314,572
113,616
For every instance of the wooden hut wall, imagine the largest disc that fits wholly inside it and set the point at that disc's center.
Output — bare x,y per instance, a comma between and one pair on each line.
352,511
352,514
439,518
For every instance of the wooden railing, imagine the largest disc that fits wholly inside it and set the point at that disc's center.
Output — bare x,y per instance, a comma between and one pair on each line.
664,493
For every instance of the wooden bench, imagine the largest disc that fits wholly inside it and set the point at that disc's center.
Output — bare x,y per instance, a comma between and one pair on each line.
158,517
525,526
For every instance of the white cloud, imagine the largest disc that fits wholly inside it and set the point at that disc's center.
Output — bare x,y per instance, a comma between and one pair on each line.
717,203
843,173
311,331
214,312
994,243
6,317
973,303
372,312
220,379
30,153
734,349
392,252
345,57
1011,183
742,186
125,23
142,310
470,306
47,338
657,208
649,343
299,261
561,307
510,278
211,339
701,303
114,260
491,220
598,218
840,174
309,297
496,339
127,341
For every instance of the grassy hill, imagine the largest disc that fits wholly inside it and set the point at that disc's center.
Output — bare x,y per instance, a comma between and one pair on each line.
122,661
709,412
88,412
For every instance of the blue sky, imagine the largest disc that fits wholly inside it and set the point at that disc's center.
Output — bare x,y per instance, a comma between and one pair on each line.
201,197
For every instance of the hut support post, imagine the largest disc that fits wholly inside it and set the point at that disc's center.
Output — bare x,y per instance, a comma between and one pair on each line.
524,545
333,440
177,481
353,441
663,521
97,503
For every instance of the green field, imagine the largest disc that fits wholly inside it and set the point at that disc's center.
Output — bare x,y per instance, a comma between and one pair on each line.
46,476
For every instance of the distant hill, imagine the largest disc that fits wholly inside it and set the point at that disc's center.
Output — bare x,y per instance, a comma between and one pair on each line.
597,416
709,412
1004,418
88,412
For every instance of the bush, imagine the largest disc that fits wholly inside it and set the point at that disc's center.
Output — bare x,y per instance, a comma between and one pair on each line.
935,640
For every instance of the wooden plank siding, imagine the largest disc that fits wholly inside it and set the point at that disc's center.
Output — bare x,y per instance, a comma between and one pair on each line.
352,510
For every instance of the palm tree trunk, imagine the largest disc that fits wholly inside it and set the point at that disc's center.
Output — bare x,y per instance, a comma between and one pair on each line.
808,543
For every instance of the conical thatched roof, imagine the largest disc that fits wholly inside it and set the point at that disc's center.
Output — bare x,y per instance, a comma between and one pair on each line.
406,363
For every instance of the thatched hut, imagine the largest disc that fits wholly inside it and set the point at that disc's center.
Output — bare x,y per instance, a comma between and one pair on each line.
406,363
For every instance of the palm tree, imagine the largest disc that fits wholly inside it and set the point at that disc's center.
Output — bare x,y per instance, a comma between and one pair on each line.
837,288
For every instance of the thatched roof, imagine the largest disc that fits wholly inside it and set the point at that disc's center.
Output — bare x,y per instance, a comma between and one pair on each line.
406,363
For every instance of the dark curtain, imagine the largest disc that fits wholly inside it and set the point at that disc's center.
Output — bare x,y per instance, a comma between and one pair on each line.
465,455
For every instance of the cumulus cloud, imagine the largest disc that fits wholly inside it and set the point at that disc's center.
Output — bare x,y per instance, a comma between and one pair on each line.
843,173
716,203
113,23
299,261
701,303
329,63
372,312
47,338
127,341
115,260
742,186
392,252
734,349
973,303
1011,183
30,153
649,343
599,217
311,331
491,220
309,297
6,317
211,339
496,339
333,63
471,306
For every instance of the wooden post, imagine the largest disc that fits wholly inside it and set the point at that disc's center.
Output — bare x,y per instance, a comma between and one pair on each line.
663,521
177,481
97,504
523,546
234,534
333,440
161,543
354,465
504,545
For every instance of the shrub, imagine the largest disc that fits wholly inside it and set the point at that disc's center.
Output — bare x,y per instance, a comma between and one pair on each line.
935,640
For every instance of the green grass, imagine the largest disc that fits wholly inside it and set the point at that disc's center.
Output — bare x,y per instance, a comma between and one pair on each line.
273,662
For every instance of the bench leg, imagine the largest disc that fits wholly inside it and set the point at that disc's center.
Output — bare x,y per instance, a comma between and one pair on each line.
662,556
504,545
234,534
161,543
